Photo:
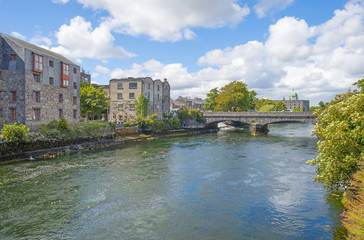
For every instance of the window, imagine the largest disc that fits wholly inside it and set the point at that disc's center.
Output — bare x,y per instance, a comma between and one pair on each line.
13,113
132,106
120,107
51,81
36,97
131,96
74,70
13,96
133,85
1,95
148,95
148,85
158,88
120,96
74,100
37,63
74,85
60,98
60,113
1,113
36,77
50,63
1,75
74,113
12,57
120,85
65,76
36,114
158,96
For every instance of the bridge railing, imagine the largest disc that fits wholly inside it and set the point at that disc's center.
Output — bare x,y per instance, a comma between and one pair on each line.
258,114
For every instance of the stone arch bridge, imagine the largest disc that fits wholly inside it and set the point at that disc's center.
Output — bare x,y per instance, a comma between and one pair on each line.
259,120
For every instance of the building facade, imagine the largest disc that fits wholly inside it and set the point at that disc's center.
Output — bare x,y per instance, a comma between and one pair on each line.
293,102
187,102
124,92
36,85
85,76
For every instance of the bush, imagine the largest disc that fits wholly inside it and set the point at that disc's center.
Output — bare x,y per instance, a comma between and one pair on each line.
63,125
15,133
144,123
127,123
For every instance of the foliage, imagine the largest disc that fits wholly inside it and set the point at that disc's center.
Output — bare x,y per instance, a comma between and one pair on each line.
182,114
266,105
144,123
93,101
353,201
210,102
235,97
141,106
127,123
296,109
153,116
314,108
63,125
162,125
341,144
15,133
192,114
168,115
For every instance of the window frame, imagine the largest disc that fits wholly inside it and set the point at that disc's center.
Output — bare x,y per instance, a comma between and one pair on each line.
119,96
60,113
12,57
51,81
74,113
38,63
130,86
60,98
118,86
13,97
75,100
65,75
13,114
36,78
131,95
51,63
36,97
36,114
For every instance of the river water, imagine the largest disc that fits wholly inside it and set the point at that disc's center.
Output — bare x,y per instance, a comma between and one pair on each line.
224,185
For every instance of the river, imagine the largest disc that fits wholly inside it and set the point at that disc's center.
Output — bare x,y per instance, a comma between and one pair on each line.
225,185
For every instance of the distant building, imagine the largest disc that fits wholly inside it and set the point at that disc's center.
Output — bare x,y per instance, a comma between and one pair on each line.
187,102
106,88
85,77
36,85
124,92
295,103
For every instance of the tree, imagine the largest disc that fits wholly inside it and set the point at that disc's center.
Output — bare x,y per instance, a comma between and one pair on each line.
234,97
340,129
210,102
266,105
141,106
93,101
280,106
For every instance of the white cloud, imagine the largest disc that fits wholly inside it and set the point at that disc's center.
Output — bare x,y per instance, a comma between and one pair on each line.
264,6
41,41
80,39
101,69
18,35
60,1
317,61
165,20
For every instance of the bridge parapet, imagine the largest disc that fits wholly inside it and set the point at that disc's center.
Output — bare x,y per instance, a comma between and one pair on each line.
263,118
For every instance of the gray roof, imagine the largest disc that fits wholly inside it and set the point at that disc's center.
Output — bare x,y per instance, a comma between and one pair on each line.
36,48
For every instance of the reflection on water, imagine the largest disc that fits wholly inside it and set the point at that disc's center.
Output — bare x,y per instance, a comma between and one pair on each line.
216,186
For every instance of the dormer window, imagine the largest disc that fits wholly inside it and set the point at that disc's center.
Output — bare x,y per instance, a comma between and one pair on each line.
65,75
37,63
12,57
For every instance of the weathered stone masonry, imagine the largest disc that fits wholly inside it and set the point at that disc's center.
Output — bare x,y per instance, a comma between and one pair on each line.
17,74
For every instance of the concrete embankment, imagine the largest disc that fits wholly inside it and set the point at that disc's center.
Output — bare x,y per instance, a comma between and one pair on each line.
49,148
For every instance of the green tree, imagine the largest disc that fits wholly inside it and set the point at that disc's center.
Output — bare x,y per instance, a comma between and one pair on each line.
15,133
267,108
234,97
93,101
314,108
210,102
280,106
340,129
141,106
264,102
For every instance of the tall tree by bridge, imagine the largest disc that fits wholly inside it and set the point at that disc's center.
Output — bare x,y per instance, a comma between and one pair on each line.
233,97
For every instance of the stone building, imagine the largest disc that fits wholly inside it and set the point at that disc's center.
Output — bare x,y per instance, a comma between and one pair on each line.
187,102
293,102
124,92
85,76
36,85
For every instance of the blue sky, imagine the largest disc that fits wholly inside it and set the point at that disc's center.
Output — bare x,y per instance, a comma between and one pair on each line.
313,46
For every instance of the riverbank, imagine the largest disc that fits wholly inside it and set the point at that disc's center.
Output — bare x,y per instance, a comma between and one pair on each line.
50,148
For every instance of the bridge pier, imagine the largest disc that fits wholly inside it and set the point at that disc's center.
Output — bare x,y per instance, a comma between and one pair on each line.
259,129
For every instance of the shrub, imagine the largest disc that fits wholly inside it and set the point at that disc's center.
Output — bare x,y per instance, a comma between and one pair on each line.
63,125
153,116
127,123
15,133
143,123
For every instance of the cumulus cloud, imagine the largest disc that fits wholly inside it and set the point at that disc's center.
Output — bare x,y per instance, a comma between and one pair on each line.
18,35
101,69
165,20
264,6
317,61
85,42
60,1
